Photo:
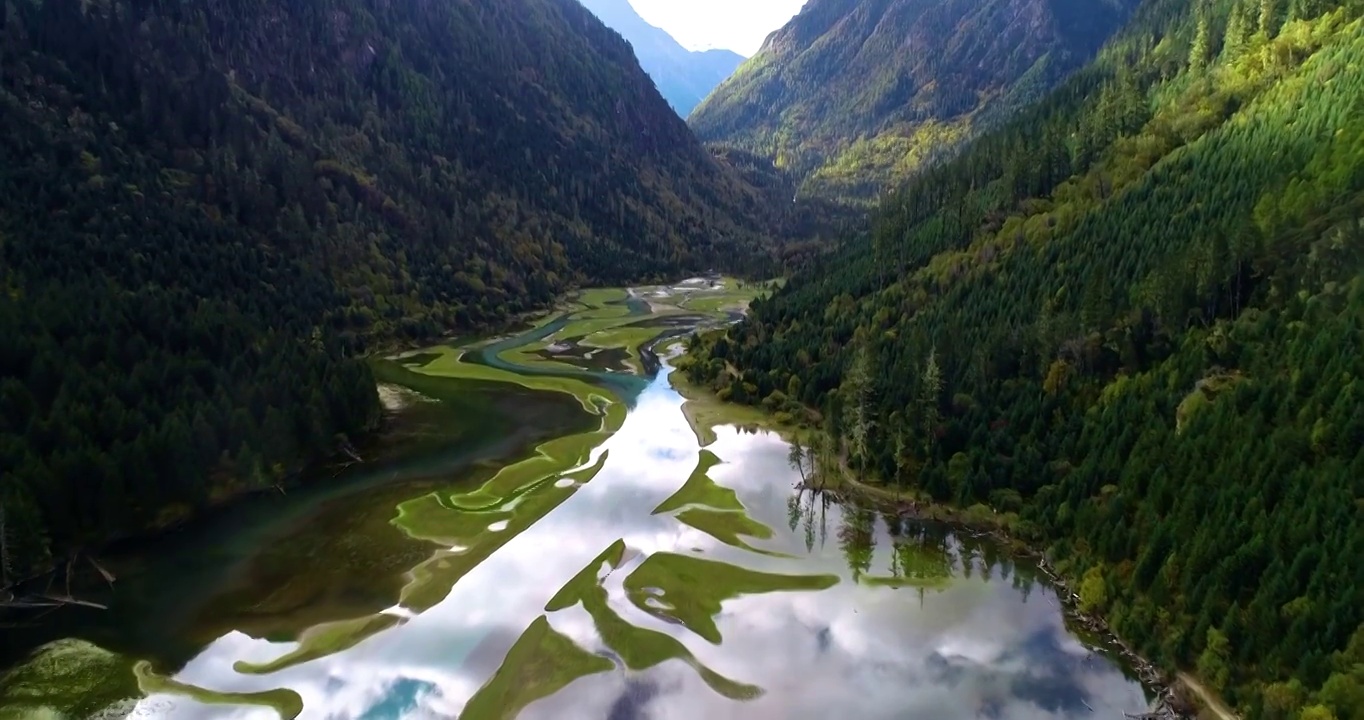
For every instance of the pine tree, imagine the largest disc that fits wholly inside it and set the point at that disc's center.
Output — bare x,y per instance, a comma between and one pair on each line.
930,393
1269,12
1200,52
858,388
795,457
1237,32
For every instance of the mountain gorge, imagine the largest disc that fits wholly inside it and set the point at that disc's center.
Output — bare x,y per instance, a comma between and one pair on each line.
209,210
1123,325
853,95
683,76
1110,298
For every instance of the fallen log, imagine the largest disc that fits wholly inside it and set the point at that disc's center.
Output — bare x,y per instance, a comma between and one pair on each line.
27,605
69,600
108,576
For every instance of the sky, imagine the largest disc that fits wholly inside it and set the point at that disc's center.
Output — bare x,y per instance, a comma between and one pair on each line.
738,25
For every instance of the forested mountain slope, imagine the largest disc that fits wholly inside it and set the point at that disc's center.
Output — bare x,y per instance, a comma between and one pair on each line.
853,94
1131,318
683,76
207,207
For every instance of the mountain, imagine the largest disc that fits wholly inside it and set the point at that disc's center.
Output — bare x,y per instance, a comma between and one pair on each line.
1128,321
683,76
853,94
210,210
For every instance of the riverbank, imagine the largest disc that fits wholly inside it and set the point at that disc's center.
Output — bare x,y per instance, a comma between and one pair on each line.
82,572
1177,694
979,520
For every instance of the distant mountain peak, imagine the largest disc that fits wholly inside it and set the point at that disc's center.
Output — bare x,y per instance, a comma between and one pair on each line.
854,94
684,77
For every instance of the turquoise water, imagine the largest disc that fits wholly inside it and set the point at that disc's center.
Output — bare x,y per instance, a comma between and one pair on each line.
628,386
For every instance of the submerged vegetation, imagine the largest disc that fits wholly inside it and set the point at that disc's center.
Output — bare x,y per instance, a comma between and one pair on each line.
285,702
701,490
713,508
542,662
689,590
69,678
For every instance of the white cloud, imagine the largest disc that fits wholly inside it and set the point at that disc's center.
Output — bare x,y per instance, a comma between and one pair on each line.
739,25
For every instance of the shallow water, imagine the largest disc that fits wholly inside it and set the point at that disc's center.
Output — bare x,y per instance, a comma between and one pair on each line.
490,354
278,563
838,611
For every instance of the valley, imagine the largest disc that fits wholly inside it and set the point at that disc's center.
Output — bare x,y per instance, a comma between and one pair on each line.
405,360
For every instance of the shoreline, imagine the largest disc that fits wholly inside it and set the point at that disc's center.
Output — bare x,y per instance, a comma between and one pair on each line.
1167,688
1172,693
232,493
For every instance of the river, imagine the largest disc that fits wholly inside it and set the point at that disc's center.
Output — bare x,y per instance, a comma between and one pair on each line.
622,571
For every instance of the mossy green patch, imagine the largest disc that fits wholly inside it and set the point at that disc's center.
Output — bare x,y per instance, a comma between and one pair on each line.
443,523
638,648
598,297
285,702
416,360
541,663
532,356
629,337
728,526
1205,392
690,590
701,490
609,311
322,640
579,357
729,294
550,458
574,590
66,678
579,328
344,561
432,580
450,365
705,412
894,581
641,648
915,565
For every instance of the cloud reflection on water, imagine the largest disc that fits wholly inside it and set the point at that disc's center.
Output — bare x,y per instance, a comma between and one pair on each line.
974,649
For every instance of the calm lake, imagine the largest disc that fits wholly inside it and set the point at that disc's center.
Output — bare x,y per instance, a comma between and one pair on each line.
657,579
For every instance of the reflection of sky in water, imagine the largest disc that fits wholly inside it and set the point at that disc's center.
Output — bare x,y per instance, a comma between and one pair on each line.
973,650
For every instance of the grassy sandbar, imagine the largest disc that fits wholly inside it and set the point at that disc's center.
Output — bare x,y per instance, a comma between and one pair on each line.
728,526
692,589
542,662
322,640
700,489
638,648
285,702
